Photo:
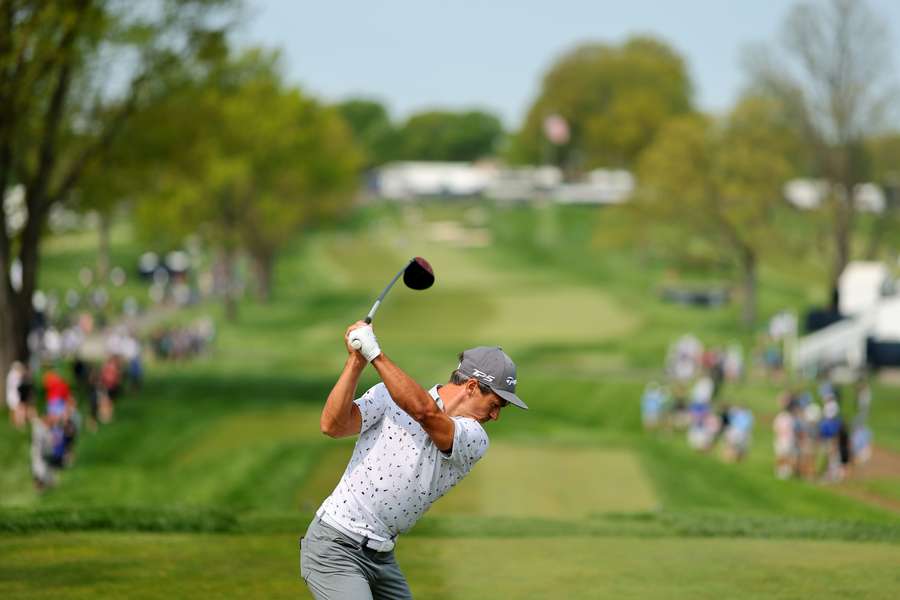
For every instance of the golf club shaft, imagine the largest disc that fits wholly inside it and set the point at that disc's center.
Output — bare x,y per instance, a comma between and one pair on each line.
381,296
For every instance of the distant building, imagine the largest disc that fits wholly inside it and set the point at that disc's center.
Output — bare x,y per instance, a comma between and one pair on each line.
411,180
602,187
809,194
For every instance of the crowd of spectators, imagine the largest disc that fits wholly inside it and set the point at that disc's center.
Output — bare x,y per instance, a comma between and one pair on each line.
179,343
692,399
81,362
818,436
60,393
820,431
70,386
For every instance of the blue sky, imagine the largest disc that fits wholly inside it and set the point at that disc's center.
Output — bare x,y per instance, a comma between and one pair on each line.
418,54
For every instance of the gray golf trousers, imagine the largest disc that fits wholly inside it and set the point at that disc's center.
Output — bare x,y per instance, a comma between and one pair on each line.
336,567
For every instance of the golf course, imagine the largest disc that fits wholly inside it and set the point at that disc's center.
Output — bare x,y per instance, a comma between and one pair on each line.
209,475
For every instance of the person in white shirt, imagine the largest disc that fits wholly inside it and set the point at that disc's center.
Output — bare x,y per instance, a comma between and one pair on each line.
13,398
413,446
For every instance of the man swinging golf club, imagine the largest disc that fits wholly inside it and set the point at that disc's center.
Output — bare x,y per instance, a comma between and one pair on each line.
414,445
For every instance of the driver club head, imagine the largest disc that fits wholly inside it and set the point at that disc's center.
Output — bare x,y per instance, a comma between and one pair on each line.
418,274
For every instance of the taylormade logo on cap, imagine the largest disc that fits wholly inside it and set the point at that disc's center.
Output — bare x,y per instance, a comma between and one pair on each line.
493,367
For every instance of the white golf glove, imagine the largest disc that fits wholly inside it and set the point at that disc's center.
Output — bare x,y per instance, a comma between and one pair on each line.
363,339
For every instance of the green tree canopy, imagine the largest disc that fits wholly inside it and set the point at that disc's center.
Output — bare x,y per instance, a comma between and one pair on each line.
831,74
250,163
614,98
451,136
372,128
59,110
883,153
721,181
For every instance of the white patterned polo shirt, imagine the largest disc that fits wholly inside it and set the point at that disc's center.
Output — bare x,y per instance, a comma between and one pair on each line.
396,471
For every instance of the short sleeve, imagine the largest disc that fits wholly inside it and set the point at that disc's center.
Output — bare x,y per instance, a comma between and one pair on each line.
470,442
372,405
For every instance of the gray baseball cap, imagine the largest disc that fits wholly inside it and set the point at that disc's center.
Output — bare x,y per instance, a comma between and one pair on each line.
493,367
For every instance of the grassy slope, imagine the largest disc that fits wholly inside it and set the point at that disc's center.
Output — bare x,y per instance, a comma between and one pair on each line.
230,442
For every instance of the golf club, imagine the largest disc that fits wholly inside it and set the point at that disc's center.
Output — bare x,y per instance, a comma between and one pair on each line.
417,275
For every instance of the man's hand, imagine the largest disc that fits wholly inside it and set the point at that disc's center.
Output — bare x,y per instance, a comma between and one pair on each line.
361,337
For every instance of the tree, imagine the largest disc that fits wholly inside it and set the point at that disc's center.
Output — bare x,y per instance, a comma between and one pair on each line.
832,75
58,109
614,99
250,164
112,176
449,136
372,128
721,181
883,153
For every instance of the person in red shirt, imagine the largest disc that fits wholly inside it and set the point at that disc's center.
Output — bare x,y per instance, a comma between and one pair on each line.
59,397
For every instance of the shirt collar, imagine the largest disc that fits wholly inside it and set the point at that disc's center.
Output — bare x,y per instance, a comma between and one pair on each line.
437,397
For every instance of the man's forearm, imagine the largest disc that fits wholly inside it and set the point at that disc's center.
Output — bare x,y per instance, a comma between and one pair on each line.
404,390
416,402
337,415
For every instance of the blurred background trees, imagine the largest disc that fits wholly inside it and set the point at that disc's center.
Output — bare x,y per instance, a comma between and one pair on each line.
721,180
248,163
72,74
439,135
102,104
614,99
832,76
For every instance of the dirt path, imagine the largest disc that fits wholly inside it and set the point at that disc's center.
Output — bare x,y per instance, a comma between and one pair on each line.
884,464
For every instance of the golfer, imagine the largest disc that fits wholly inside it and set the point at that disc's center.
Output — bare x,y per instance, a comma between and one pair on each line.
414,445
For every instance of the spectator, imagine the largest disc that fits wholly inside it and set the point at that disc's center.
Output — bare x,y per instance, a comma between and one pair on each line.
829,428
653,403
17,409
131,353
705,426
86,380
41,450
785,439
773,357
861,444
845,453
26,393
59,397
95,397
807,429
861,435
737,435
110,386
733,363
717,374
702,392
684,358
681,416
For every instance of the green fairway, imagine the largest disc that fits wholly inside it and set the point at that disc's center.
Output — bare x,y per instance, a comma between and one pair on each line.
155,566
585,481
513,483
203,483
